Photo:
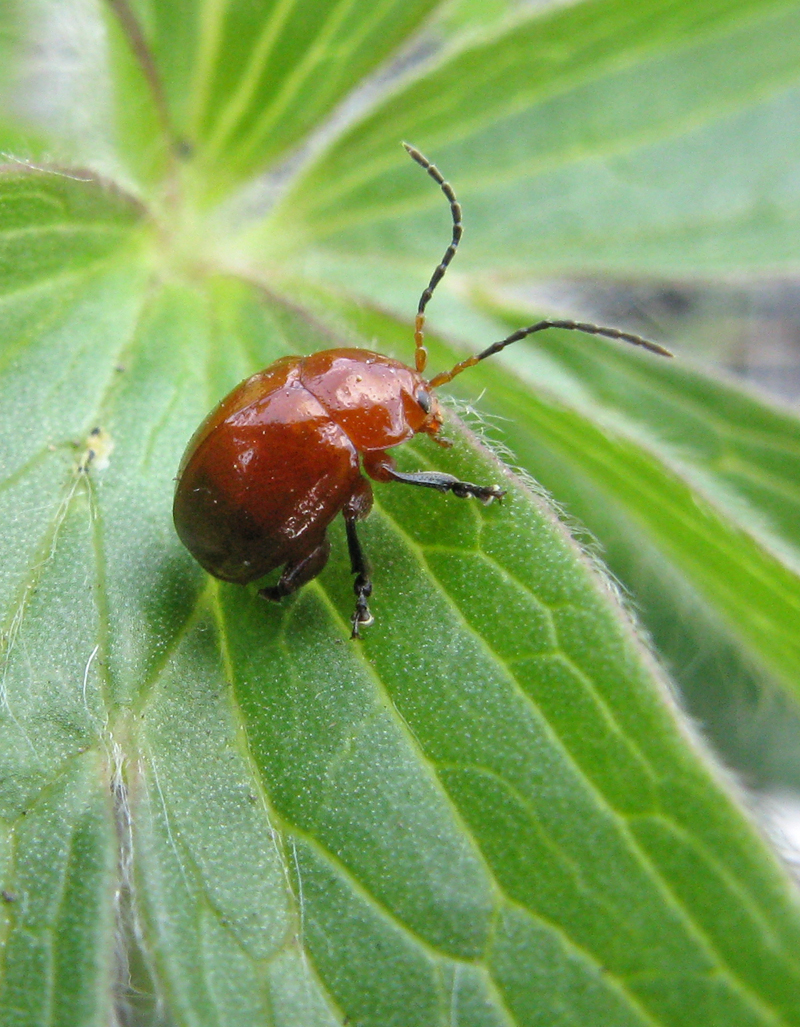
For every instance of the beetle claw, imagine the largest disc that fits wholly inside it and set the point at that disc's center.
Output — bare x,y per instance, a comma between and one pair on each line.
491,493
362,618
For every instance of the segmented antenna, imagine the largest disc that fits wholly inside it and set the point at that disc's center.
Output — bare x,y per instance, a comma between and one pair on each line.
420,353
540,326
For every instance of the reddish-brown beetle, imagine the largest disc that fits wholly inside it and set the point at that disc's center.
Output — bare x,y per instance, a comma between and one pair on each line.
269,469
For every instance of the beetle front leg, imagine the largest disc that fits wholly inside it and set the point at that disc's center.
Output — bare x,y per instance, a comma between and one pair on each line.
380,466
449,483
362,586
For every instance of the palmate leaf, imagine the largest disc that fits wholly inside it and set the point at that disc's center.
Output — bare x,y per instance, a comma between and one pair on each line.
218,811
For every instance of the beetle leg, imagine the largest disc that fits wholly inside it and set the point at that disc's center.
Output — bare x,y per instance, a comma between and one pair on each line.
449,483
298,573
362,586
380,466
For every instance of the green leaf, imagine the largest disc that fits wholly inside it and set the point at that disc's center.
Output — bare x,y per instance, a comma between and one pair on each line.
219,811
63,312
55,87
241,83
58,922
57,223
601,126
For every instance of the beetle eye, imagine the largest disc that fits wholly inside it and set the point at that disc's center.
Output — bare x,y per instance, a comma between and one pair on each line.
424,401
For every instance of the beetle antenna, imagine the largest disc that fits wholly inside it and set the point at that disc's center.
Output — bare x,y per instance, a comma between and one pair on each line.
540,326
420,353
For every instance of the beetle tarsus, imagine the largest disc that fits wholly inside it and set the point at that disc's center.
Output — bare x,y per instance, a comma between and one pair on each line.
361,618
